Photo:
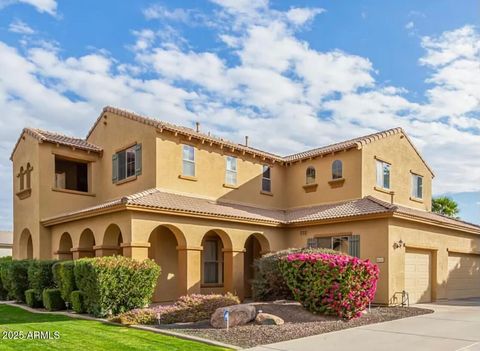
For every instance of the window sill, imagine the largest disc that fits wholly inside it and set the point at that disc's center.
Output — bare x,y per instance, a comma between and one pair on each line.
336,183
268,193
383,190
190,178
23,194
126,180
230,186
74,192
416,199
310,187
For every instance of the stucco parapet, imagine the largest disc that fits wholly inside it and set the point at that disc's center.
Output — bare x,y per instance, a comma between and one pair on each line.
238,250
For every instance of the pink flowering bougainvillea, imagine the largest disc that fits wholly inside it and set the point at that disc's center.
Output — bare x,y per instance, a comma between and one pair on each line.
331,284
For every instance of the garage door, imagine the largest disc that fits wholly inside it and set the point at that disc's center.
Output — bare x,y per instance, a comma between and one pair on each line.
418,279
463,276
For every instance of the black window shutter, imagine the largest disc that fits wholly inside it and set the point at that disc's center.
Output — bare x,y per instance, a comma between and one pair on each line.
114,168
138,159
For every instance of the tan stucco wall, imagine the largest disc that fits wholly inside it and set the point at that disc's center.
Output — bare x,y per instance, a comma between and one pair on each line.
210,168
325,192
396,150
113,134
432,238
373,244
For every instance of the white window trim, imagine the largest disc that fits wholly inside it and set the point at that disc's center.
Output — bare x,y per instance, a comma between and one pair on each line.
380,174
186,160
233,172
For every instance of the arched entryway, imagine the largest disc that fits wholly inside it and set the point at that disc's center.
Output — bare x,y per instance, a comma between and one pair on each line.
164,241
255,246
86,244
64,247
26,245
112,241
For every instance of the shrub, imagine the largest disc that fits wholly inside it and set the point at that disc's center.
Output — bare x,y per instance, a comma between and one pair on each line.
52,300
189,308
269,284
17,279
40,276
64,277
32,299
76,298
331,284
4,285
115,284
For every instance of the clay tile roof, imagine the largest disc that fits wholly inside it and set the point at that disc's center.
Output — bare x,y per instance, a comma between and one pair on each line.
344,145
185,204
189,132
336,210
57,138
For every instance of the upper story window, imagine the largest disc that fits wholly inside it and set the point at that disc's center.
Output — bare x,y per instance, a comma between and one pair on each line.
266,179
188,167
417,186
383,174
127,163
231,170
310,175
337,169
71,175
21,177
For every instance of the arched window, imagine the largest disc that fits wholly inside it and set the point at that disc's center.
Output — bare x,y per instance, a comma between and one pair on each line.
310,175
337,169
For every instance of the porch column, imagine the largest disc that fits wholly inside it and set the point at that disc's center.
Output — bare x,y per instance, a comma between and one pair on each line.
233,275
79,252
189,270
137,251
107,250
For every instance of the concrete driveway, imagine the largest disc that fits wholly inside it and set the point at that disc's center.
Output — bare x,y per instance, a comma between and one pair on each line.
455,325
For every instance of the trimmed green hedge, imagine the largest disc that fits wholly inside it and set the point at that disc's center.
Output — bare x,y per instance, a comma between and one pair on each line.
17,279
115,284
4,286
64,276
40,276
32,299
269,283
77,298
52,300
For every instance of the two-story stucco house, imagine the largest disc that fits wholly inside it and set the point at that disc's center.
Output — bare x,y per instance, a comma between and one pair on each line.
204,207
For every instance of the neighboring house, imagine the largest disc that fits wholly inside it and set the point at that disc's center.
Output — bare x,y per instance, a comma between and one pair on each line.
6,243
204,207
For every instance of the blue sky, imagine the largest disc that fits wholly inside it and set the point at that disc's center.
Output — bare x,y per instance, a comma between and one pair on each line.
291,74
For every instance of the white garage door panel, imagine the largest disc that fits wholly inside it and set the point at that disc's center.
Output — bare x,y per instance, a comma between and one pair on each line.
418,282
463,276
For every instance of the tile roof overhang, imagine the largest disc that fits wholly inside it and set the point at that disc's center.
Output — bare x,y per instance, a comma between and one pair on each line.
58,139
356,143
163,202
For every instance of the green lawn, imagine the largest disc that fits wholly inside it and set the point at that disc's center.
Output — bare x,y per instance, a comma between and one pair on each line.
77,334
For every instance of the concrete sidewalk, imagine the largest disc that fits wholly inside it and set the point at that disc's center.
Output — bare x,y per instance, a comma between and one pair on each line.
455,325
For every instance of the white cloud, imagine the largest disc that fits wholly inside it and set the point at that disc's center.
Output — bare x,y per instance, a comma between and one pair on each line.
47,6
20,27
276,88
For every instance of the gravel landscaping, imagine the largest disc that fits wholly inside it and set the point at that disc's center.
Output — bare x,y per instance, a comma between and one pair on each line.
298,323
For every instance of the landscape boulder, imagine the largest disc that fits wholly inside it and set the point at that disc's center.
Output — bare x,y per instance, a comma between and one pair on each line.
238,315
268,319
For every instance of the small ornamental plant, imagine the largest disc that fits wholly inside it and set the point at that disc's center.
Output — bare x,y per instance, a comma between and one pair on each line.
331,284
189,308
